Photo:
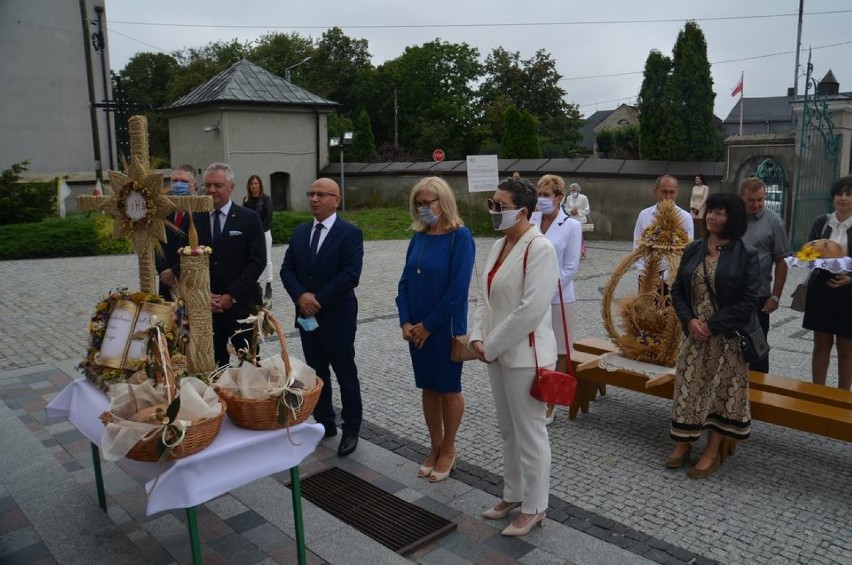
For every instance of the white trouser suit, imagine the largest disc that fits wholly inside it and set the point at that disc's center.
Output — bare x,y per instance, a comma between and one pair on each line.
506,314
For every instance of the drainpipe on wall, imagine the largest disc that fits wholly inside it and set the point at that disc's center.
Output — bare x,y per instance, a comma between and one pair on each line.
317,136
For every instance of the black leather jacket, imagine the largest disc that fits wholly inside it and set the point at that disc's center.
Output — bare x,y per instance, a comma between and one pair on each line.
736,285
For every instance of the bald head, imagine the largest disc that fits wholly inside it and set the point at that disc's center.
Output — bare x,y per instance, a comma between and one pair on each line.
326,185
323,198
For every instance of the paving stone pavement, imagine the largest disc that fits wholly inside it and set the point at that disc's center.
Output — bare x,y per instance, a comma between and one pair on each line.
784,497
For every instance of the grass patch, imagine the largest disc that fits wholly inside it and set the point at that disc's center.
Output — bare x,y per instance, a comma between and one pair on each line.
92,234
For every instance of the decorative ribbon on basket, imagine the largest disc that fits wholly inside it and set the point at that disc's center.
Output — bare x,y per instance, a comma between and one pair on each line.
279,392
148,422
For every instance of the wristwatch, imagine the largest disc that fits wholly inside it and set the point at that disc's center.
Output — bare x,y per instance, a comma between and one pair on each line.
775,298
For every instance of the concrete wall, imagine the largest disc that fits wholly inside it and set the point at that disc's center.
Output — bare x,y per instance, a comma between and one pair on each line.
615,200
44,100
255,141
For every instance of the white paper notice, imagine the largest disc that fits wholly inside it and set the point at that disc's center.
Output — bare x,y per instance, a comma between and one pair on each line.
482,173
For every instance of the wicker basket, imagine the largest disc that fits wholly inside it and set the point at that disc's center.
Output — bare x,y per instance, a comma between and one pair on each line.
198,436
262,413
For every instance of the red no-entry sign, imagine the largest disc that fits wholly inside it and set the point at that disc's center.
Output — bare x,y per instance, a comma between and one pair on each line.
438,155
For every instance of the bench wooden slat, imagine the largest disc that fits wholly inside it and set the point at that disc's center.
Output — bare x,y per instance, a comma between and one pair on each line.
778,384
830,396
813,417
779,408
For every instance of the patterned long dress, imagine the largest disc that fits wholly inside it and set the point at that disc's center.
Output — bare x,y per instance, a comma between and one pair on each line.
711,382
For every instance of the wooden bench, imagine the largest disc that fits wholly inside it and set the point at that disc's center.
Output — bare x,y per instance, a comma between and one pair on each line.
775,399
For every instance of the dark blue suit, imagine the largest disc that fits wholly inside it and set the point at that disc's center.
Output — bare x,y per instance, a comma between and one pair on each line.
239,256
332,277
169,259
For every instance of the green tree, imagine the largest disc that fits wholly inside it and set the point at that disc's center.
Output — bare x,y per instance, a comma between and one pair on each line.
364,144
198,65
435,97
334,66
690,134
532,85
145,81
653,106
620,142
520,135
277,51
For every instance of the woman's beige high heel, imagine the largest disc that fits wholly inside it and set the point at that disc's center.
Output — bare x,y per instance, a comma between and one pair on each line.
437,477
512,530
426,470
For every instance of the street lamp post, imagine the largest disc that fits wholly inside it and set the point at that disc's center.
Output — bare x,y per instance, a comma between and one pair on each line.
287,70
340,143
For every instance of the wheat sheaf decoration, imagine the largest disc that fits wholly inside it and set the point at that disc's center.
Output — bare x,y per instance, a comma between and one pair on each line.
648,328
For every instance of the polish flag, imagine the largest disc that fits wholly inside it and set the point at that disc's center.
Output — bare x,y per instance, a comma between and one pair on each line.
98,190
738,89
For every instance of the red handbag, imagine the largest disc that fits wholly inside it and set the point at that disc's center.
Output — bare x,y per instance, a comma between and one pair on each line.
550,386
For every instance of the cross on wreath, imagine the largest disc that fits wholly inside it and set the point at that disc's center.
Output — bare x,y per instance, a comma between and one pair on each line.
139,207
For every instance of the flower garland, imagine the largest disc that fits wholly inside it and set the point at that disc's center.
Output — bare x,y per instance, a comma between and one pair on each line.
657,236
102,376
128,191
200,250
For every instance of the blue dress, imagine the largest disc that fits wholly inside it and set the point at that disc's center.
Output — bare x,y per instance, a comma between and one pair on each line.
433,290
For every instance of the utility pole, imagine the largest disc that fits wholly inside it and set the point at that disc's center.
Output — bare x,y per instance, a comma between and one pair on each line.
101,47
798,48
90,79
395,120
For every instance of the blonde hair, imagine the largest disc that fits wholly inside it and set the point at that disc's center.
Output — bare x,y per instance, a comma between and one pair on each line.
557,182
449,218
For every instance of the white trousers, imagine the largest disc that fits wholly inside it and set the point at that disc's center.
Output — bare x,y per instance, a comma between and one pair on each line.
526,446
266,275
556,318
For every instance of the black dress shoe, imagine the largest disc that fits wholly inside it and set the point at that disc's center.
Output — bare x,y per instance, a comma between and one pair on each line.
348,443
330,430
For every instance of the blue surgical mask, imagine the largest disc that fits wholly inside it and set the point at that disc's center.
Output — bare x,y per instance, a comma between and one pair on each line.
426,216
545,204
180,188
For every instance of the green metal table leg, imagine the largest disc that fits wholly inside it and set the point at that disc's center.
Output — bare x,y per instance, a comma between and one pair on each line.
99,476
194,541
301,552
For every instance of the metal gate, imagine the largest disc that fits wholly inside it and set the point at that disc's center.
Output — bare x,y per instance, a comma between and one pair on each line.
771,172
816,162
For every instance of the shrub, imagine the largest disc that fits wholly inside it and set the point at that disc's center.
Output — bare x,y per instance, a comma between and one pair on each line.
283,224
24,202
54,237
107,244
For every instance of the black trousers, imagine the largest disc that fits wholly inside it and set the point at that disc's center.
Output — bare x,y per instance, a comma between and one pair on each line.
225,326
328,348
762,366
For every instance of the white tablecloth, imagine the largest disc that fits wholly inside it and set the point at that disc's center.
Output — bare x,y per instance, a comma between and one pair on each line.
236,457
616,362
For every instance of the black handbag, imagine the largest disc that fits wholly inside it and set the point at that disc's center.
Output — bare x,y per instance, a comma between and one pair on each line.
751,338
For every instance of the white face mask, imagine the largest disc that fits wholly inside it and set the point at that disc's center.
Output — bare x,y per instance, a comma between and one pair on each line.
505,219
426,216
545,204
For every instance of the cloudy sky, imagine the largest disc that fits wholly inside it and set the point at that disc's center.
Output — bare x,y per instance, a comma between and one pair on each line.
599,47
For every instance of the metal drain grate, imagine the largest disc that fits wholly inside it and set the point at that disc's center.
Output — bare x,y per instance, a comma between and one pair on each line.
394,523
